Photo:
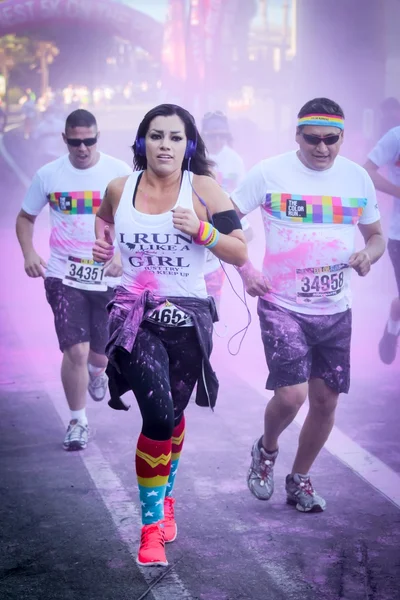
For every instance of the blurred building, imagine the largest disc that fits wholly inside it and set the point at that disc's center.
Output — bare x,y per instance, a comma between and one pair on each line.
255,59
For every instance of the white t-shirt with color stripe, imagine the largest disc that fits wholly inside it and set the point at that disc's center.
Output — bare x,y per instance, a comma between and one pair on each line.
74,196
309,219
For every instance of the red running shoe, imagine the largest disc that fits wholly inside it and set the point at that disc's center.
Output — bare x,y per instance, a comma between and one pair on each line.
169,523
152,546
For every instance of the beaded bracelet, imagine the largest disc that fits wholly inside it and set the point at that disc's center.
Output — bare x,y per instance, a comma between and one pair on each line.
207,235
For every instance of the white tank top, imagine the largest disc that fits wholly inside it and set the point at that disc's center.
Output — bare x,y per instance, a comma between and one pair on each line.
155,255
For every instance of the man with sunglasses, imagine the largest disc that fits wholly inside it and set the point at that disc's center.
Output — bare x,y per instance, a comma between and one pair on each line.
77,289
312,200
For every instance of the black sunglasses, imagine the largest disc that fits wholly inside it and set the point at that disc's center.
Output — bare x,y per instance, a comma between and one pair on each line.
77,142
314,140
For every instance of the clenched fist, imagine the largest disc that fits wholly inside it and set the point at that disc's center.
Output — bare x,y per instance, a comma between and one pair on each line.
186,221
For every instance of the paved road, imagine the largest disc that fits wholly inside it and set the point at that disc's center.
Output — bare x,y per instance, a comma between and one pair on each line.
70,522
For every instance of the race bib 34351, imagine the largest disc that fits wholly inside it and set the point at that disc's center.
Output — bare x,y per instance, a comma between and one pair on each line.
84,274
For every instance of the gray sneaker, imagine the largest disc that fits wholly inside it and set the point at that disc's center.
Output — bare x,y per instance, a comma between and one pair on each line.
260,478
76,437
97,386
301,494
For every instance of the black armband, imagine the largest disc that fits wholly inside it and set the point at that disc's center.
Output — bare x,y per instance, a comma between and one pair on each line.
226,221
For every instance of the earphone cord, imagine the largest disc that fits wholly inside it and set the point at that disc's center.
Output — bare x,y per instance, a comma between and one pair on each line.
243,300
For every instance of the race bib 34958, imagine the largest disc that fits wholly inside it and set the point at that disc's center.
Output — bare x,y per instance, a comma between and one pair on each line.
316,283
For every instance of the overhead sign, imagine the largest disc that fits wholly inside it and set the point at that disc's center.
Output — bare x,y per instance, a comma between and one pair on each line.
17,16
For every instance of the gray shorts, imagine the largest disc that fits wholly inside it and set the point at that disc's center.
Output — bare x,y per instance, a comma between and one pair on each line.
79,315
302,347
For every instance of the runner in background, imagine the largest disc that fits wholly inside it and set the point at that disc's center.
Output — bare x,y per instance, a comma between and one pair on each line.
387,153
77,289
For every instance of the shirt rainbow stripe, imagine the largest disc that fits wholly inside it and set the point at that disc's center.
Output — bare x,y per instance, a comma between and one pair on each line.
75,203
325,210
326,120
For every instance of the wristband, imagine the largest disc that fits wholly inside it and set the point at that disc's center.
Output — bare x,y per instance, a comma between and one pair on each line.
207,235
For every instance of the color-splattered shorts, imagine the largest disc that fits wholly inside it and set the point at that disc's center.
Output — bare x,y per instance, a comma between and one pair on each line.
79,315
394,253
301,347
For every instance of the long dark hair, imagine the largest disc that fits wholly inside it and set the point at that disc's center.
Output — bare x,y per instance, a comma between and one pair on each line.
199,164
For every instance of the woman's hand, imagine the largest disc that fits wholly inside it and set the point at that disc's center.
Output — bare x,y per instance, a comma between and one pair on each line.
186,221
103,249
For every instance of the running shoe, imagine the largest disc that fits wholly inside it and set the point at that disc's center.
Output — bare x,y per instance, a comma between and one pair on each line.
301,494
97,387
260,478
152,546
76,437
169,523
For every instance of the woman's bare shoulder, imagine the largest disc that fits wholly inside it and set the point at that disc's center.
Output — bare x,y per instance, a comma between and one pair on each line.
212,193
205,182
116,186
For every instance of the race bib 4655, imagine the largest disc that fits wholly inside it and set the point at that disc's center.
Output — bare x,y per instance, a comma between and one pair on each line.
169,315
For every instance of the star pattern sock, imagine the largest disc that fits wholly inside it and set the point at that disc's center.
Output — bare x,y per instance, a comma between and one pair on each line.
178,437
153,464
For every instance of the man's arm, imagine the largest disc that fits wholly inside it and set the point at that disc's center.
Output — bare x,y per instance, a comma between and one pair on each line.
34,202
374,248
381,183
374,241
33,263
